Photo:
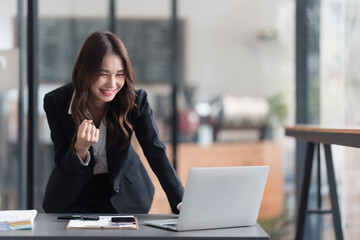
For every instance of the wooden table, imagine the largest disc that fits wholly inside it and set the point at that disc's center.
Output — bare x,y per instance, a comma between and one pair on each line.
315,135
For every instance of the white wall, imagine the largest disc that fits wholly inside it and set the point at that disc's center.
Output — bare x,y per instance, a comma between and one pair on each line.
223,52
7,19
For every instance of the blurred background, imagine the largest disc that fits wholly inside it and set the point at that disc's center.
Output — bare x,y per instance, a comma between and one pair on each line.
223,78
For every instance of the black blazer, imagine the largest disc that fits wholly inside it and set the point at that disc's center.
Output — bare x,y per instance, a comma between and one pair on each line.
133,189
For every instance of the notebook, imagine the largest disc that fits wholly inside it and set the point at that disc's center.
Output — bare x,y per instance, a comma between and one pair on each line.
219,197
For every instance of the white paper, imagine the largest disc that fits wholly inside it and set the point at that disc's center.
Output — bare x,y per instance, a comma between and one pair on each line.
103,222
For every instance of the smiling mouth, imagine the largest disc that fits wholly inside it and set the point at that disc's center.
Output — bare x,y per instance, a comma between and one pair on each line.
107,92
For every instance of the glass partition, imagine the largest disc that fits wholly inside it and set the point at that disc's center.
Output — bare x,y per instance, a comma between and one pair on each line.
63,27
339,102
12,118
235,72
237,91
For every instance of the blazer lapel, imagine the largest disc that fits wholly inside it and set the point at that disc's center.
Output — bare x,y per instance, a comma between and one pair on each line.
68,121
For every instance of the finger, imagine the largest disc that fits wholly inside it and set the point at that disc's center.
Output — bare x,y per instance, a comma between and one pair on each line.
82,129
86,121
88,128
90,124
96,135
91,131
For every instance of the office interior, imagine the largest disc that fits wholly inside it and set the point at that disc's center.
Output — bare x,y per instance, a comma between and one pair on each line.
232,73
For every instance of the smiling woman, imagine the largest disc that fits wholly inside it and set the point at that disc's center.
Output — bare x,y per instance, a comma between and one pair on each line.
110,81
108,84
96,169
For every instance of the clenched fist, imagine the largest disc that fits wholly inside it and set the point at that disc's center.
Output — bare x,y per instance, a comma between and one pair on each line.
87,135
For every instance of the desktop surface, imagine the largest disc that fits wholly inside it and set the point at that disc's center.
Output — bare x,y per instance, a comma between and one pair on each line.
46,226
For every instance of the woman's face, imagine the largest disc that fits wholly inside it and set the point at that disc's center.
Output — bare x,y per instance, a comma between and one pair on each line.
110,80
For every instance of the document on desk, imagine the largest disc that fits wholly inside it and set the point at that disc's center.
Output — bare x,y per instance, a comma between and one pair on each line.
104,222
17,219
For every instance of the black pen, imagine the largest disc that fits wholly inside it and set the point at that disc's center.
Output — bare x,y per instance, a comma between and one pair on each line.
78,217
69,217
89,218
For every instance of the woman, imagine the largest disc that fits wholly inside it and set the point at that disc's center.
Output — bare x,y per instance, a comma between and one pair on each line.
91,121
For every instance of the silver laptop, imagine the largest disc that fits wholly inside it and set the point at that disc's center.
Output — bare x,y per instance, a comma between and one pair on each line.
219,197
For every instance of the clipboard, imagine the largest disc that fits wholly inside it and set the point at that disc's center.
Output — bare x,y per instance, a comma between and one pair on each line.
104,222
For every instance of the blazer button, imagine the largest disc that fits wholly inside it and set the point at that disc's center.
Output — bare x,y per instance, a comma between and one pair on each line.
117,189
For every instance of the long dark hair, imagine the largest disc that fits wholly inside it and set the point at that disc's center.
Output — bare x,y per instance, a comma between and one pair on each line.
87,70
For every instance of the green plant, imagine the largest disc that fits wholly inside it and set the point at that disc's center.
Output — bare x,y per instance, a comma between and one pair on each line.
277,227
278,108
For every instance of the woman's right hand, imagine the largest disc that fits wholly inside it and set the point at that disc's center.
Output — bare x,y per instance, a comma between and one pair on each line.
87,135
